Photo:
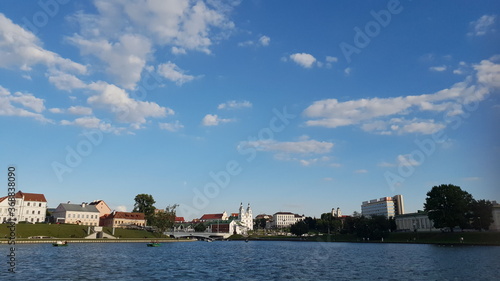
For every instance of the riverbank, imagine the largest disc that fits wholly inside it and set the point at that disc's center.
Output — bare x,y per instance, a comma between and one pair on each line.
72,231
71,241
440,238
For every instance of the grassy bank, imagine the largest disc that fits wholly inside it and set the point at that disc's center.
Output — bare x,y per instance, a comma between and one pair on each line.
24,231
469,238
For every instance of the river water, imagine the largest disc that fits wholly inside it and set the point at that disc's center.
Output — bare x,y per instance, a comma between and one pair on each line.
255,260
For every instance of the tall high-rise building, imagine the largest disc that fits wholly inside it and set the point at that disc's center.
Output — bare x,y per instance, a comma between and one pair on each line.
385,206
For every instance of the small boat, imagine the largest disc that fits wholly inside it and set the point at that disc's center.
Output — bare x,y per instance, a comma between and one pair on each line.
154,244
60,244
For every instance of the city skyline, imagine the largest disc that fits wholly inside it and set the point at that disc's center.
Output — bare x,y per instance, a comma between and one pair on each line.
211,103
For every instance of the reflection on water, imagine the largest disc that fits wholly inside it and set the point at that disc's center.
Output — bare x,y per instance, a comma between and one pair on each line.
256,260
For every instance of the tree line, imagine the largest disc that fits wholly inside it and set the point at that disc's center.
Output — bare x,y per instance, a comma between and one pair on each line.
447,206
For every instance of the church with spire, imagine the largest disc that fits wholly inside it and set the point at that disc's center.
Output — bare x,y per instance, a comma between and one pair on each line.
245,217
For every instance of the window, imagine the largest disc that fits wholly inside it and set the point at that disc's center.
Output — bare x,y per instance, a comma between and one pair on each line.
27,212
33,212
38,212
28,203
39,204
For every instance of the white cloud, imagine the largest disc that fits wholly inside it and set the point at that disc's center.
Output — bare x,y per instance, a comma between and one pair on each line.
331,59
482,26
234,104
407,160
178,51
126,109
298,147
472,179
56,110
301,151
361,171
121,208
65,81
125,58
386,164
264,40
22,49
488,73
92,122
393,115
172,127
214,120
438,68
173,73
401,126
21,104
312,161
80,110
247,43
347,71
303,59
122,33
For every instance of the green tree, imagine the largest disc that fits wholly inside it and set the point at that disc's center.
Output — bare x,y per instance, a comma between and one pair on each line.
260,223
448,205
481,214
200,227
144,203
299,228
164,220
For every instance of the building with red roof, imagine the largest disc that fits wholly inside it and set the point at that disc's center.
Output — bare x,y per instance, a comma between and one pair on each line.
214,217
30,207
123,219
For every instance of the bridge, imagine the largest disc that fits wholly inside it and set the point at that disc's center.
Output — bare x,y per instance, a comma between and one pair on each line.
198,235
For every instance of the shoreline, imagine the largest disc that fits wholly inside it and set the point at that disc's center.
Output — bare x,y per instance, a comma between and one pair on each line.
73,240
374,242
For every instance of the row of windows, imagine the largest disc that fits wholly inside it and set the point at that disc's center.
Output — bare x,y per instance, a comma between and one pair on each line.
127,222
30,220
27,211
34,204
84,223
82,216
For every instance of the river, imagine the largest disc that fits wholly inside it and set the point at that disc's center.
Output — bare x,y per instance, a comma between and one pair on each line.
255,260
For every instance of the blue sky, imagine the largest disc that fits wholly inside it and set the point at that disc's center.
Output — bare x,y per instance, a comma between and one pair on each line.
289,105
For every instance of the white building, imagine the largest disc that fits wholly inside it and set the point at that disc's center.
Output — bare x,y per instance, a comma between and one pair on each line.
245,217
495,225
336,213
102,207
385,206
415,222
83,214
30,207
239,223
285,219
